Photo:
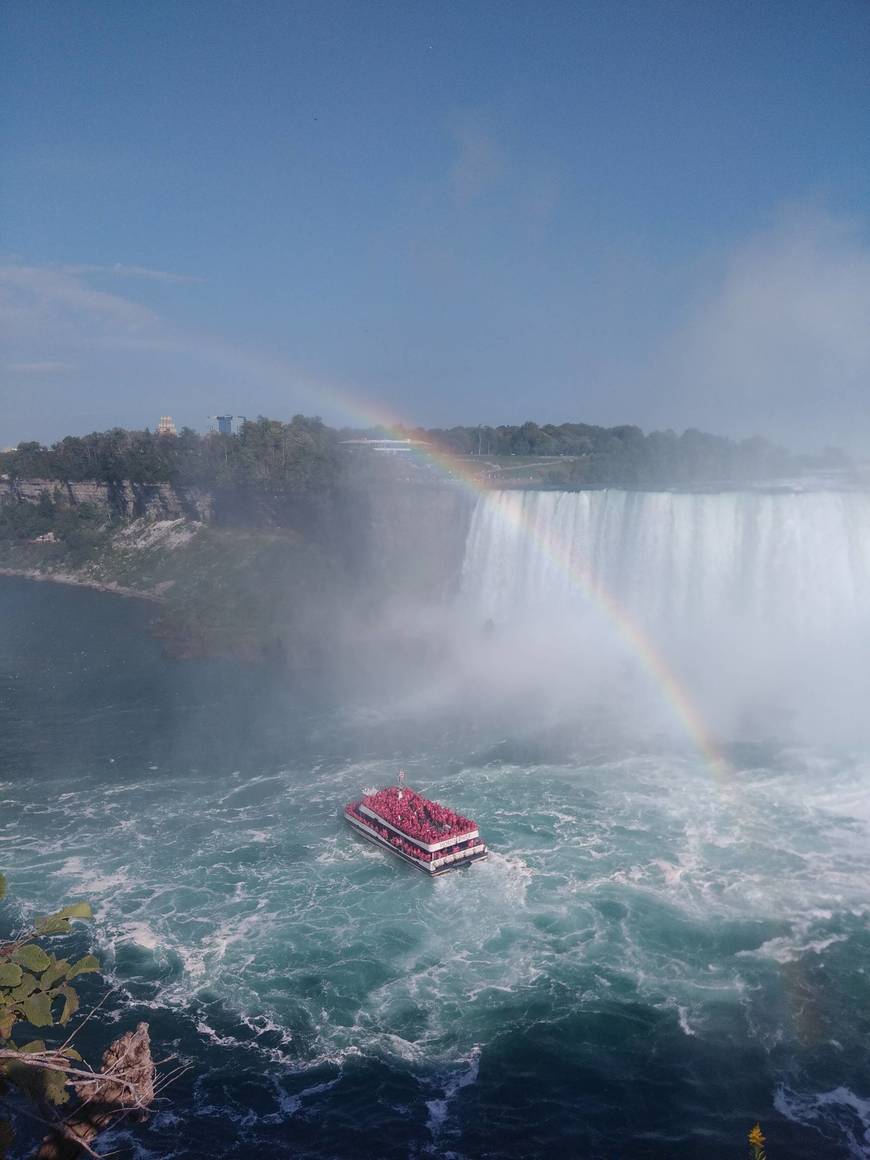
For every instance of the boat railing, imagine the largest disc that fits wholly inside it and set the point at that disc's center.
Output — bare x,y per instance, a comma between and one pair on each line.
431,847
432,864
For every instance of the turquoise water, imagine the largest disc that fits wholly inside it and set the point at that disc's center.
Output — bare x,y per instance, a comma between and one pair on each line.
651,960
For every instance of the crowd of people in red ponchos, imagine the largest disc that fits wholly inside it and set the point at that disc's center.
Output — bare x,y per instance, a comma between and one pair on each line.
419,818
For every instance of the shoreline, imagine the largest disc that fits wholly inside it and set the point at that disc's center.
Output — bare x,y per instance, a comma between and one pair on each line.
73,581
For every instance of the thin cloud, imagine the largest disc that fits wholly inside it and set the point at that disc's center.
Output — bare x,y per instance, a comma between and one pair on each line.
119,270
37,368
542,194
32,293
479,162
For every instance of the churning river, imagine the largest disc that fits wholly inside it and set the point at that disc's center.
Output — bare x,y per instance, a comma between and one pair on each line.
657,954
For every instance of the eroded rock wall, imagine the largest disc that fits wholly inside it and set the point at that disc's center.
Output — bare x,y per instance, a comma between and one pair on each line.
123,499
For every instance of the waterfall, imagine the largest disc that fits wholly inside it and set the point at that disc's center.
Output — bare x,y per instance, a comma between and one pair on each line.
799,560
742,593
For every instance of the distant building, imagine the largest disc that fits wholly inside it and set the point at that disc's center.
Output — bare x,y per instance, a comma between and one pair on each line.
229,424
385,446
166,426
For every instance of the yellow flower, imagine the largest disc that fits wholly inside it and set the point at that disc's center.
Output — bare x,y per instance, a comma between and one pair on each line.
756,1137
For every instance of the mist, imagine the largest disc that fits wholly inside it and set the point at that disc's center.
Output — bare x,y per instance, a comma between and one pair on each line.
604,617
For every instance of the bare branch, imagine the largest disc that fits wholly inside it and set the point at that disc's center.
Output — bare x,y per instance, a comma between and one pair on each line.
89,1015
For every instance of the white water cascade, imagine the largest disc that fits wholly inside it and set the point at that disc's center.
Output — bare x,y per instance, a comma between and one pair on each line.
746,596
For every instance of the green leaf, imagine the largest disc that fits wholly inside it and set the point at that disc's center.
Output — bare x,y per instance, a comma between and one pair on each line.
26,987
32,957
58,923
70,1001
55,972
2,886
33,1046
37,1010
8,1018
54,1085
76,910
83,966
52,924
10,975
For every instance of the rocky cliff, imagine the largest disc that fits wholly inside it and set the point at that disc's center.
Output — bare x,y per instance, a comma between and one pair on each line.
120,499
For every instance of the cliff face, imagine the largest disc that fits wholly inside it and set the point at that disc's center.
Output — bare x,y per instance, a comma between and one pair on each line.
126,500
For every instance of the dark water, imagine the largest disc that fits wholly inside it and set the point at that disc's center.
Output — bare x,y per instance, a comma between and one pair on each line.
650,962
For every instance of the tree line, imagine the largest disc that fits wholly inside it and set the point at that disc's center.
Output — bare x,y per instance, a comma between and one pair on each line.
624,456
299,456
304,455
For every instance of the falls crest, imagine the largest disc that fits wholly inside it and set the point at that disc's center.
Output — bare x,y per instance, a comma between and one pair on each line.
800,559
747,597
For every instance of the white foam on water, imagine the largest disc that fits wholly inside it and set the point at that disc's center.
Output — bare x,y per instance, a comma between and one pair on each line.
684,1022
839,1108
511,871
290,1105
129,1142
274,1054
790,949
141,934
451,1083
682,1013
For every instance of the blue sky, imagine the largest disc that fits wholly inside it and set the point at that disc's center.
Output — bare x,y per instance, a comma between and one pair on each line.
453,212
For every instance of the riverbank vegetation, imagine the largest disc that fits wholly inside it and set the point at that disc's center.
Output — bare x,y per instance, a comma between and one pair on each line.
73,533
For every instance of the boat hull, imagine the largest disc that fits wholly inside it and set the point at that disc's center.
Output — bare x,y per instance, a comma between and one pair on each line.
430,871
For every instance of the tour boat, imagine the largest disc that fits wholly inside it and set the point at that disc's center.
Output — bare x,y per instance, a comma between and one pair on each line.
430,836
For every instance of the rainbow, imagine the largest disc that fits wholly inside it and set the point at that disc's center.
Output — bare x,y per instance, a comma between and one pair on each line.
627,628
